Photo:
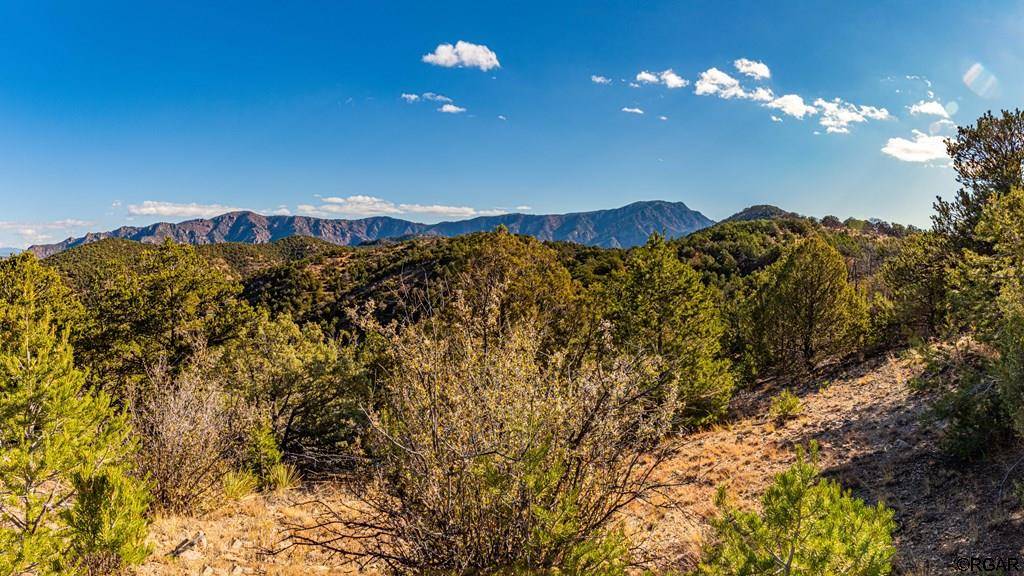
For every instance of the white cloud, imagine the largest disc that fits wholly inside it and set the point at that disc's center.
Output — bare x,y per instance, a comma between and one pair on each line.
837,115
410,97
363,206
715,82
598,79
673,80
755,69
932,108
662,118
667,77
760,94
632,110
172,209
646,77
451,109
524,207
463,55
792,105
923,148
502,117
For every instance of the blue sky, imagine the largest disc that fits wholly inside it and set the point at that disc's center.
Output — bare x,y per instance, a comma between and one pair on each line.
135,112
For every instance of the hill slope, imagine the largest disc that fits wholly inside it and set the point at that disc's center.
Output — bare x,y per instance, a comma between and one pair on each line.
872,435
619,227
761,212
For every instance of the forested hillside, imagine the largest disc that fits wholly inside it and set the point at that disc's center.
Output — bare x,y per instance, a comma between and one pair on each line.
493,403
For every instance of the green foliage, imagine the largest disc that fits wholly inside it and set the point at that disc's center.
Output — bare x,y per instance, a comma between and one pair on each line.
994,289
916,278
974,413
288,289
808,526
987,158
28,287
282,477
588,264
108,522
495,277
801,311
238,484
309,386
785,405
261,452
731,249
156,311
658,306
68,502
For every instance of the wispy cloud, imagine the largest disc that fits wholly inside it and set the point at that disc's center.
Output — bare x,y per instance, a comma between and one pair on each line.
436,97
363,206
598,79
176,210
27,233
923,148
463,55
629,110
837,115
410,98
448,106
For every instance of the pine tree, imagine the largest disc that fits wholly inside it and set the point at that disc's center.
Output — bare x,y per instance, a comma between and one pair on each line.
808,526
988,158
63,457
802,310
657,305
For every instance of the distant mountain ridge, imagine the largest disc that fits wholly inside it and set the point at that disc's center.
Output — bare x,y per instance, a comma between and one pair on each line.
623,227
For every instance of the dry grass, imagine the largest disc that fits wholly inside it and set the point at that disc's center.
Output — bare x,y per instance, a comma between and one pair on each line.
247,537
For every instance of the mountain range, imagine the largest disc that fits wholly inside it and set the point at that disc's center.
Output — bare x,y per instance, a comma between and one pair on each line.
623,227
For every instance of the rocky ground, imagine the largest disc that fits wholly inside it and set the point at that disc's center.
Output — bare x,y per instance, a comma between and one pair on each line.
872,436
